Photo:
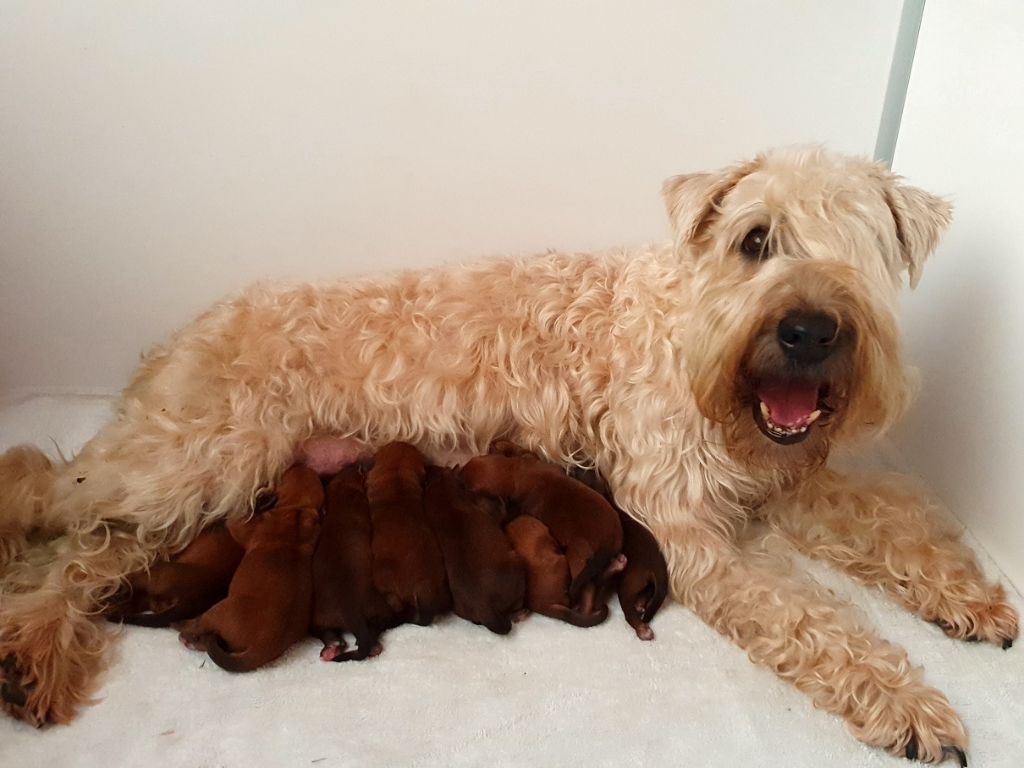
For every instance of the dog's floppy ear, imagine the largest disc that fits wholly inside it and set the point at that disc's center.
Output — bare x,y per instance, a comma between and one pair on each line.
921,219
691,198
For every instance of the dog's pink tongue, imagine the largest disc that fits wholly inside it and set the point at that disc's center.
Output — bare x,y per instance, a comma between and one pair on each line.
790,402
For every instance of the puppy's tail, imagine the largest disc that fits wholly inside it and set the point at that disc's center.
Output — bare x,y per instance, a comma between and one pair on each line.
591,573
173,612
243,661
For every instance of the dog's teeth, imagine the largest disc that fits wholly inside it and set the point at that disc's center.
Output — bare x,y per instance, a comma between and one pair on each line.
813,417
765,412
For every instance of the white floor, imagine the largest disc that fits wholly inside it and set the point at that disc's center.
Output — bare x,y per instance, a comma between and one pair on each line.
455,695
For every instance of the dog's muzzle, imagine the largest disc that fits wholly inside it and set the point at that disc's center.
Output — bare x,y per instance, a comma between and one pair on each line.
789,400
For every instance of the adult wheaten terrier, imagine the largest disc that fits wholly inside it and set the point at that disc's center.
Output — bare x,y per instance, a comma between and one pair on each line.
707,379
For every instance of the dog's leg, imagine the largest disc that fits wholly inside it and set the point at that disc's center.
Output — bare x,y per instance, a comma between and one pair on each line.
52,641
883,533
811,638
26,479
143,486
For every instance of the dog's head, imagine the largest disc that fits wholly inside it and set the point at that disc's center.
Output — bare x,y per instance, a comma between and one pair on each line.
796,260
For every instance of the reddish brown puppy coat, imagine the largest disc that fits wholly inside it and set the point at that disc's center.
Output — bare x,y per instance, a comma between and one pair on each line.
187,585
344,597
579,518
486,577
548,574
408,568
643,585
268,604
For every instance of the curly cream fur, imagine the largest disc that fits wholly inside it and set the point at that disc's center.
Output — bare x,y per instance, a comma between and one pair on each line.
632,360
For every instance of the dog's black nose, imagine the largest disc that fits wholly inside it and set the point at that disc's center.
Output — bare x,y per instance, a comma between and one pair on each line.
807,337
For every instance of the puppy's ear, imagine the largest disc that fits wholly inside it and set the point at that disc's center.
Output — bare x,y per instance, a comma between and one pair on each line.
921,220
692,198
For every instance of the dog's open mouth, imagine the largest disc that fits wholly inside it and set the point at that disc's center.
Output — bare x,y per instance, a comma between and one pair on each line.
786,409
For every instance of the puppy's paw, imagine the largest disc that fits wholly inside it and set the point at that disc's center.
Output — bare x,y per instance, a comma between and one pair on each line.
644,631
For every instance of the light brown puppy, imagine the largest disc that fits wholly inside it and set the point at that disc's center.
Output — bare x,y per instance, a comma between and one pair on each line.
268,604
547,579
580,519
408,568
184,587
344,597
486,577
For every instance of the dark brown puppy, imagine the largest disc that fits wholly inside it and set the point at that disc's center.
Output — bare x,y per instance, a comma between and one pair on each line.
547,579
184,587
268,604
486,577
408,569
579,518
644,583
344,598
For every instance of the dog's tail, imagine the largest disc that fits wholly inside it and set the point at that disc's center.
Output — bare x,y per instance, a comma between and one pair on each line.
243,661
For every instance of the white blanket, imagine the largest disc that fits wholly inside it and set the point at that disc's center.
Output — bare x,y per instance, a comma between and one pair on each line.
455,695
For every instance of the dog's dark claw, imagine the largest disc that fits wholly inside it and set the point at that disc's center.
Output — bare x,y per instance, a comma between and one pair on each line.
12,694
1007,644
960,755
911,749
9,664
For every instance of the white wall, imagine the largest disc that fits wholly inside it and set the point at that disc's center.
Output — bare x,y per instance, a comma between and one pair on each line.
961,135
157,155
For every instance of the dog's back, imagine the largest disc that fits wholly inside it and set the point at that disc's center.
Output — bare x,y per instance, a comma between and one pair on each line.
408,568
487,578
344,597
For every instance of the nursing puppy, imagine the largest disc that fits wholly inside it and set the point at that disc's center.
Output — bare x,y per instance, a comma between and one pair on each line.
408,569
486,577
344,597
643,585
268,604
547,575
186,586
579,518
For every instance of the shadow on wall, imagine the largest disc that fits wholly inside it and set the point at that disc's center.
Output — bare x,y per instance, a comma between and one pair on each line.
960,433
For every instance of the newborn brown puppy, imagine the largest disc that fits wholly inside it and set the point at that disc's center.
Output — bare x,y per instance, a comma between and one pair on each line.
486,577
579,518
268,604
408,569
191,582
644,583
344,597
547,580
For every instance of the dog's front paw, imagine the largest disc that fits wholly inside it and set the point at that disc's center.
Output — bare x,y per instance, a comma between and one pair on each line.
991,621
915,722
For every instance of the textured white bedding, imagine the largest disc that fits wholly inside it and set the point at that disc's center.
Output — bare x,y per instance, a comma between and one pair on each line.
455,695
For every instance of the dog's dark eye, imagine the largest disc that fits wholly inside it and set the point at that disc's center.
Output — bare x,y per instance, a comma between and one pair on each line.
755,244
